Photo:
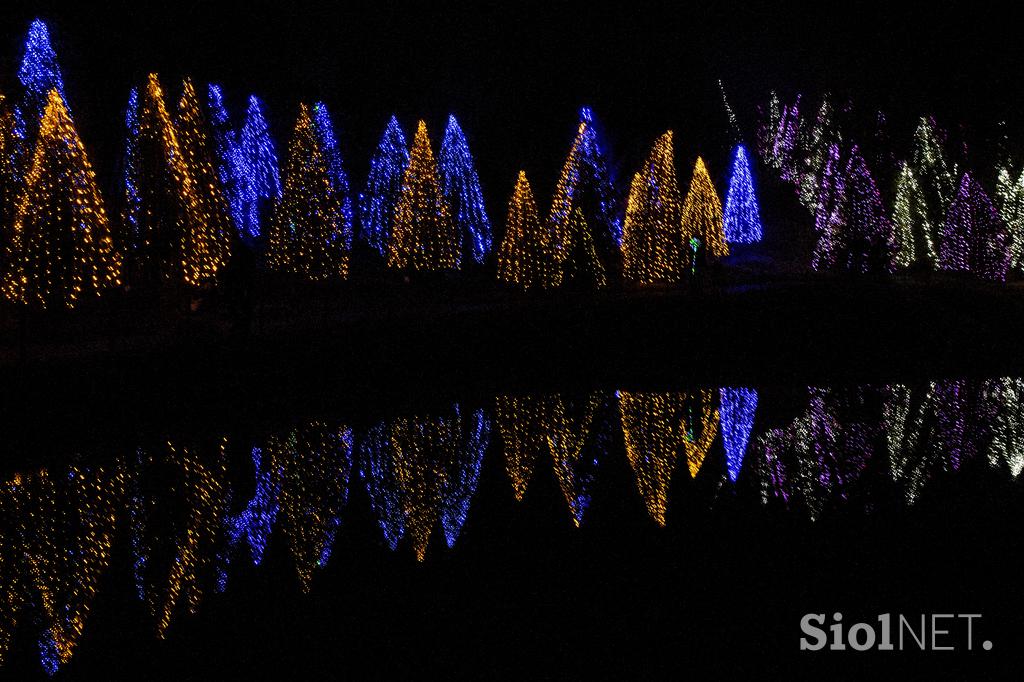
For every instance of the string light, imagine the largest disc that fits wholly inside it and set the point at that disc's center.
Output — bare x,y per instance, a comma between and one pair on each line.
580,263
259,183
378,471
574,451
526,257
742,218
522,424
39,74
209,246
974,238
61,244
738,408
308,232
702,213
653,243
1009,198
11,153
423,236
910,222
463,474
335,164
383,185
226,153
421,445
461,187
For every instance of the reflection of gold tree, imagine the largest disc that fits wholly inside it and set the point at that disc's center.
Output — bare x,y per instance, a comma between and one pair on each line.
522,421
421,446
657,427
568,431
12,589
315,461
66,526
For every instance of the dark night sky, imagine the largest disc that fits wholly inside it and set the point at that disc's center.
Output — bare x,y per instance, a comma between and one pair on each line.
515,73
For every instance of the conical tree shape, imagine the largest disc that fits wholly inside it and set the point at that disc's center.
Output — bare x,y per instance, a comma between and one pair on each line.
225,145
462,475
581,267
11,162
702,213
39,74
526,258
259,182
974,237
653,245
699,429
383,186
377,469
209,247
585,184
162,201
423,237
1009,199
911,223
523,423
870,240
61,246
336,165
307,234
421,446
739,406
570,438
461,187
742,218
654,430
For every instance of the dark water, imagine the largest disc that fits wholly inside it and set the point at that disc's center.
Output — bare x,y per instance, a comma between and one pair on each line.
628,533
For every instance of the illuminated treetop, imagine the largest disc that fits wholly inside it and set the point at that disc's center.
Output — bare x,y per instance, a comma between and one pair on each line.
702,213
39,74
974,238
526,257
461,187
383,185
742,218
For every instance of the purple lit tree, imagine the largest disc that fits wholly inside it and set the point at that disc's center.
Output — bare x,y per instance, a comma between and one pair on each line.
974,239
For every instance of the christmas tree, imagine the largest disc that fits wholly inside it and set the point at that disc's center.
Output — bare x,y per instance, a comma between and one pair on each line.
39,74
577,440
461,187
702,213
423,237
462,474
742,218
585,184
911,222
383,185
653,428
1009,198
580,266
307,234
11,153
935,177
209,245
523,423
162,204
526,258
336,166
974,238
61,246
226,152
653,246
259,183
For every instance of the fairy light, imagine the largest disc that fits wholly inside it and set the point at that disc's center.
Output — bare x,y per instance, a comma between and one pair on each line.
869,236
521,423
1007,448
378,471
39,73
308,233
742,218
652,425
580,264
575,445
461,187
259,182
11,153
226,152
256,522
911,223
336,166
463,473
974,238
423,236
316,461
13,595
421,445
526,257
1009,199
585,184
702,213
209,245
383,185
653,242
61,247
738,408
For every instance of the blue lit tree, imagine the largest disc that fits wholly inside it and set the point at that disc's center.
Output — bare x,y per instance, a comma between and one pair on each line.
586,183
225,142
259,180
461,187
39,73
742,215
738,406
383,185
336,168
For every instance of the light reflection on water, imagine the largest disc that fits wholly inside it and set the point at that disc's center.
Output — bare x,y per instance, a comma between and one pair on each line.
189,514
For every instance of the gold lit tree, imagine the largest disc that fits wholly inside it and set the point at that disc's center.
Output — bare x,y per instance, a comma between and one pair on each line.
163,208
580,265
421,446
523,423
654,247
702,213
61,247
527,257
208,243
568,437
424,236
307,235
12,558
10,155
